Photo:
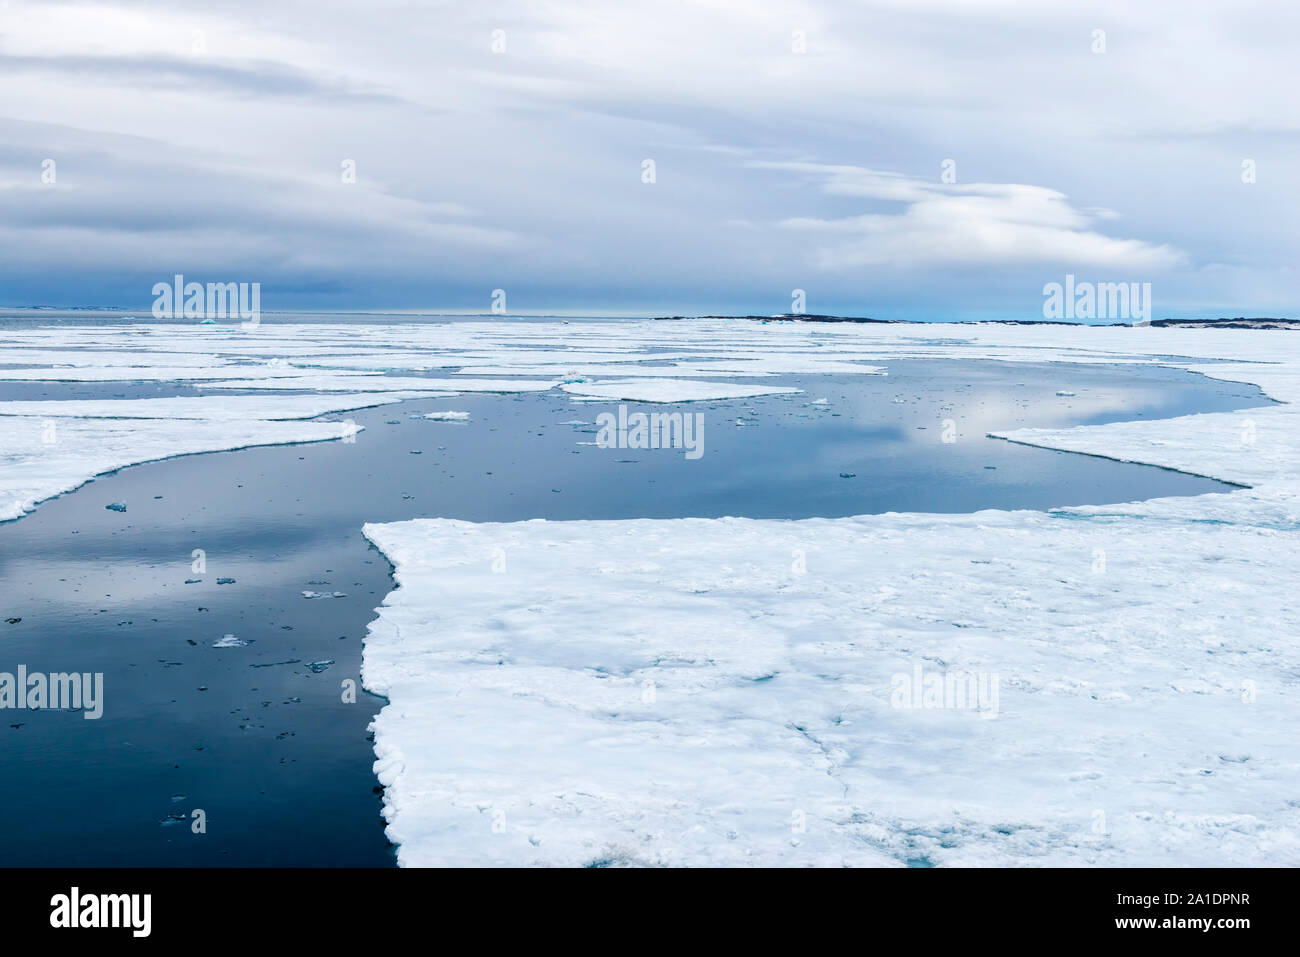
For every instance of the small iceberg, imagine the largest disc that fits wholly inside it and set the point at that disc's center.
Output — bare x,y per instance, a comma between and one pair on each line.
323,594
447,416
229,641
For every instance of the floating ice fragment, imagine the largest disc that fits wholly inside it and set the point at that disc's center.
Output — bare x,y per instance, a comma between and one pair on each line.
229,641
225,581
323,594
116,507
669,390
446,416
318,666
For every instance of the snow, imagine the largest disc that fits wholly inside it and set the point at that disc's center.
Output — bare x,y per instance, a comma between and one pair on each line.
26,356
668,390
33,469
725,692
51,447
580,372
158,374
359,382
217,407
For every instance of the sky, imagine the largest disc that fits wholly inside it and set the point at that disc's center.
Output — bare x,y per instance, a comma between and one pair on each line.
911,159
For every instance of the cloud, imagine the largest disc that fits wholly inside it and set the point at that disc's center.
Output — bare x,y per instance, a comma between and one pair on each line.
208,135
239,78
938,224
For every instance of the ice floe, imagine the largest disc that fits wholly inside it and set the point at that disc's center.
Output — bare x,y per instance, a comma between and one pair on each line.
217,407
740,691
735,692
41,458
337,382
668,390
157,374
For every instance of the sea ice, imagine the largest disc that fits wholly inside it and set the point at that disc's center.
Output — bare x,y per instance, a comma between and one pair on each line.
37,463
738,692
212,407
339,382
668,390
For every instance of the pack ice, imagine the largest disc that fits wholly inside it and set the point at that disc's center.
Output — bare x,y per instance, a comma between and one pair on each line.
1103,685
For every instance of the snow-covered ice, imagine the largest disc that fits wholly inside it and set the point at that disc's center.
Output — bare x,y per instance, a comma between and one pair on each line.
668,390
216,407
115,373
728,691
38,461
446,416
723,691
339,382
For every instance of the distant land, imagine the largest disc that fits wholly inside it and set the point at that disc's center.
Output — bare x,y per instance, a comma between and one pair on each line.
1240,322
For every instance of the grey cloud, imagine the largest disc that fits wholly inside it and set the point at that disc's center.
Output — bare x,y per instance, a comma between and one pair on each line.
243,78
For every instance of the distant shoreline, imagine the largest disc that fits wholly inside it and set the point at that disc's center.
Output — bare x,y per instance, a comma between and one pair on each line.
143,315
1240,322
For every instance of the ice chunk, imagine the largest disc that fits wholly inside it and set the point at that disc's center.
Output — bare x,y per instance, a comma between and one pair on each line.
447,416
669,390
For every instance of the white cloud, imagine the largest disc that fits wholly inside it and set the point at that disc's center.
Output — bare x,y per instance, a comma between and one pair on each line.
963,224
478,170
